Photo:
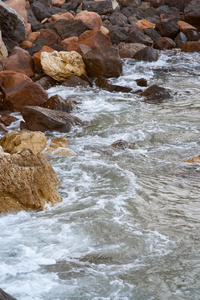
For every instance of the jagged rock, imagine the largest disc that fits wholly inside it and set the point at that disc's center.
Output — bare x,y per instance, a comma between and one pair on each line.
70,28
12,25
191,46
3,49
72,5
7,119
27,181
137,36
56,102
62,65
192,13
16,141
152,33
95,39
104,84
43,119
167,28
59,146
130,49
156,94
146,54
91,19
180,39
100,7
40,11
5,296
164,43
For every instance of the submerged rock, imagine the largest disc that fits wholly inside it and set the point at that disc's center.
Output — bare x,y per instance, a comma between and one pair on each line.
59,146
193,160
156,94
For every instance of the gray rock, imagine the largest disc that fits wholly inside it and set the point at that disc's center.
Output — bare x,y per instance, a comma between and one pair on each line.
5,296
12,25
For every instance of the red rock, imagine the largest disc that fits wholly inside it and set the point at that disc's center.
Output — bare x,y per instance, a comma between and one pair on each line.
65,15
36,56
95,39
7,119
19,6
9,79
184,26
50,37
80,48
57,3
144,24
33,36
20,62
191,46
69,40
91,19
26,44
164,43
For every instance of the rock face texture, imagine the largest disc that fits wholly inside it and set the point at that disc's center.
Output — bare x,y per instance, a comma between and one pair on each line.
62,65
12,25
3,50
27,181
5,296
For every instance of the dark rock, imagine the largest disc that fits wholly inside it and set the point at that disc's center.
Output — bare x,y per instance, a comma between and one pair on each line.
104,84
167,28
164,43
56,102
155,94
5,296
180,4
152,33
191,46
12,25
35,24
72,5
141,82
122,145
156,3
48,37
117,34
118,19
82,80
137,36
104,61
100,7
192,13
40,11
180,39
69,28
44,119
3,130
131,11
10,44
128,3
7,119
150,12
45,81
129,50
192,35
169,12
147,54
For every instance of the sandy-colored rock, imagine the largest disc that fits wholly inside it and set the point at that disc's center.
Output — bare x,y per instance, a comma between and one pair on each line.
193,160
33,36
91,19
65,15
3,49
59,146
16,141
104,30
144,24
36,56
62,65
27,181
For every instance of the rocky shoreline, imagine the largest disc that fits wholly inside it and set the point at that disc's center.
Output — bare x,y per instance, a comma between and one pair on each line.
47,43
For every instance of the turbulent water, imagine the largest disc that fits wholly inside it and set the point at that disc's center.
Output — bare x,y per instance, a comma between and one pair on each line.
129,223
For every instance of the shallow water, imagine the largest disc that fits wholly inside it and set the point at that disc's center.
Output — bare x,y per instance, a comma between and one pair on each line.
128,226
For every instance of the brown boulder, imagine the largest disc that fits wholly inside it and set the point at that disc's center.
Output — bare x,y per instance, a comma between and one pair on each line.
144,24
128,50
184,26
37,56
65,15
95,39
33,36
156,94
192,13
7,120
9,79
137,36
27,181
68,41
80,48
164,43
56,102
103,61
69,28
58,3
191,46
91,19
146,54
167,28
44,119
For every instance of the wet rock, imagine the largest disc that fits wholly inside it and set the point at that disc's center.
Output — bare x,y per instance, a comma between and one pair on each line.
192,13
91,19
104,61
3,49
7,120
40,11
56,102
146,54
122,145
100,7
191,47
180,40
128,50
59,146
95,39
104,84
16,141
62,65
141,82
44,119
156,94
5,296
117,146
167,28
82,80
137,36
12,24
164,43
27,181
70,28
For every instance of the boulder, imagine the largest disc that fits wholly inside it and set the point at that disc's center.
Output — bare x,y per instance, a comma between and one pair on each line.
56,102
191,46
57,3
104,84
80,48
44,119
72,5
12,25
5,296
144,24
141,82
3,49
137,36
7,120
164,43
40,11
48,37
117,34
59,146
21,62
8,79
103,61
70,28
126,3
129,50
156,94
62,65
100,7
184,26
91,19
117,18
95,39
27,181
192,35
152,33
146,54
180,39
60,15
180,4
16,141
192,13
156,3
19,6
167,28
36,56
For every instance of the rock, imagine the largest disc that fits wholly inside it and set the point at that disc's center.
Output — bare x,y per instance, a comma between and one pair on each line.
16,141
3,49
122,145
129,50
192,13
70,28
59,16
141,82
69,40
152,33
8,79
164,43
146,54
72,5
40,11
156,94
180,4
5,296
180,39
104,84
12,25
24,93
132,11
27,181
118,19
100,7
191,46
192,35
184,26
3,128
7,120
167,28
157,3
117,34
44,119
35,24
62,65
19,6
95,39
56,102
74,81
59,146
48,37
126,3
20,62
37,58
80,48
57,3
91,19
103,61
26,44
137,36
193,160
144,24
